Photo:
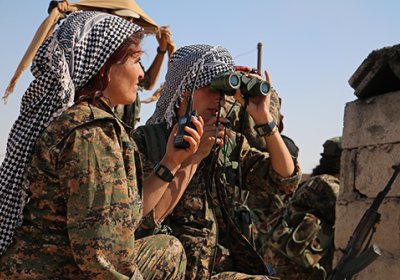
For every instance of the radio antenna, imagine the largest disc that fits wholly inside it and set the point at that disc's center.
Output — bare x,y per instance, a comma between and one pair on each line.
190,98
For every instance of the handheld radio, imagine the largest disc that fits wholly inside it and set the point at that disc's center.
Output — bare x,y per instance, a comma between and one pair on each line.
186,120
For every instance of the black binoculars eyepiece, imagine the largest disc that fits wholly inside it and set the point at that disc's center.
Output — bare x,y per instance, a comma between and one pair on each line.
226,83
229,82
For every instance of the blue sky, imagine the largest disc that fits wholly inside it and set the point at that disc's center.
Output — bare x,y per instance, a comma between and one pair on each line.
310,48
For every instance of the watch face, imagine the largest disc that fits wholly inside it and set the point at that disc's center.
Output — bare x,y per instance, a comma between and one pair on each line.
265,129
163,172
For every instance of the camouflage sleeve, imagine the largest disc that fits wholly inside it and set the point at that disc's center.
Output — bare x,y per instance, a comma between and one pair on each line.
101,208
235,111
148,224
139,138
259,174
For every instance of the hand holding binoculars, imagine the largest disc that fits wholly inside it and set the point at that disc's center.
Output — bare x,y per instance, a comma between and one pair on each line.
229,82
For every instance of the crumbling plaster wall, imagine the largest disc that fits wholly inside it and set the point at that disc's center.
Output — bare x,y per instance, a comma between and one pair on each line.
371,145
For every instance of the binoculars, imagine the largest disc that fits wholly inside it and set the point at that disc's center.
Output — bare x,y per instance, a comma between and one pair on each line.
229,82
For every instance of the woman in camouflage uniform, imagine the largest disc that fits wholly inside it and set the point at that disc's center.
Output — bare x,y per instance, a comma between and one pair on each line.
194,220
310,214
71,186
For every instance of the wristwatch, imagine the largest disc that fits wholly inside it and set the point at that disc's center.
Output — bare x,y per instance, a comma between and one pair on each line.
163,172
159,51
267,129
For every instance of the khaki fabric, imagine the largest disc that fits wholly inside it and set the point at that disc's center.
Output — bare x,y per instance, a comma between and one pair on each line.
144,21
47,28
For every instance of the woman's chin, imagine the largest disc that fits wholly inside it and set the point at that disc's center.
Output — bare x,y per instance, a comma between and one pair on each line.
130,100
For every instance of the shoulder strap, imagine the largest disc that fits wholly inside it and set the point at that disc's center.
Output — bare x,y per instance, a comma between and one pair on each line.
245,258
156,137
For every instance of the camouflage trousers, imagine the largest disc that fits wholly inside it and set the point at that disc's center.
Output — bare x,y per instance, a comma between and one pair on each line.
228,275
157,257
160,257
200,251
286,269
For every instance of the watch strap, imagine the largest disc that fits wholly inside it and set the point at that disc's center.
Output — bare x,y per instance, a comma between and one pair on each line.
163,172
267,129
159,51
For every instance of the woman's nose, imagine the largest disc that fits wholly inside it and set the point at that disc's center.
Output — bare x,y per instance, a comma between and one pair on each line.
141,73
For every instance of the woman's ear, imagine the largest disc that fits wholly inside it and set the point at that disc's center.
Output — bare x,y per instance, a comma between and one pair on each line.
102,73
108,73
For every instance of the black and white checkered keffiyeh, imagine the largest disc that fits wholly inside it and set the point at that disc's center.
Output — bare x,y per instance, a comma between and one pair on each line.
181,75
66,61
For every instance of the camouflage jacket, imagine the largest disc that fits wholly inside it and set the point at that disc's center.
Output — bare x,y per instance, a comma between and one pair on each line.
262,203
129,114
85,202
193,220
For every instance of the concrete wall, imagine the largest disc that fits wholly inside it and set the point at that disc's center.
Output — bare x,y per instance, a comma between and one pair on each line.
371,145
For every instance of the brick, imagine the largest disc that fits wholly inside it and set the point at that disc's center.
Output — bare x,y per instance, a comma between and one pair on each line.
384,267
387,236
368,170
347,165
379,73
372,121
374,168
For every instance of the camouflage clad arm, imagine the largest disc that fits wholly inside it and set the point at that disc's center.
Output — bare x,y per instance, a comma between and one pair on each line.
249,132
176,188
148,224
258,173
101,206
139,139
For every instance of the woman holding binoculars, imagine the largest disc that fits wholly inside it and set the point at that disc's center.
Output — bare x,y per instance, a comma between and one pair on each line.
202,219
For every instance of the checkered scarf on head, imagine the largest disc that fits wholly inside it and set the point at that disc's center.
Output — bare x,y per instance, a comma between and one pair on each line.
181,75
65,62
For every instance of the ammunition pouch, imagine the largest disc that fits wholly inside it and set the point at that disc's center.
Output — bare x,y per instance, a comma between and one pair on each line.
303,238
303,229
